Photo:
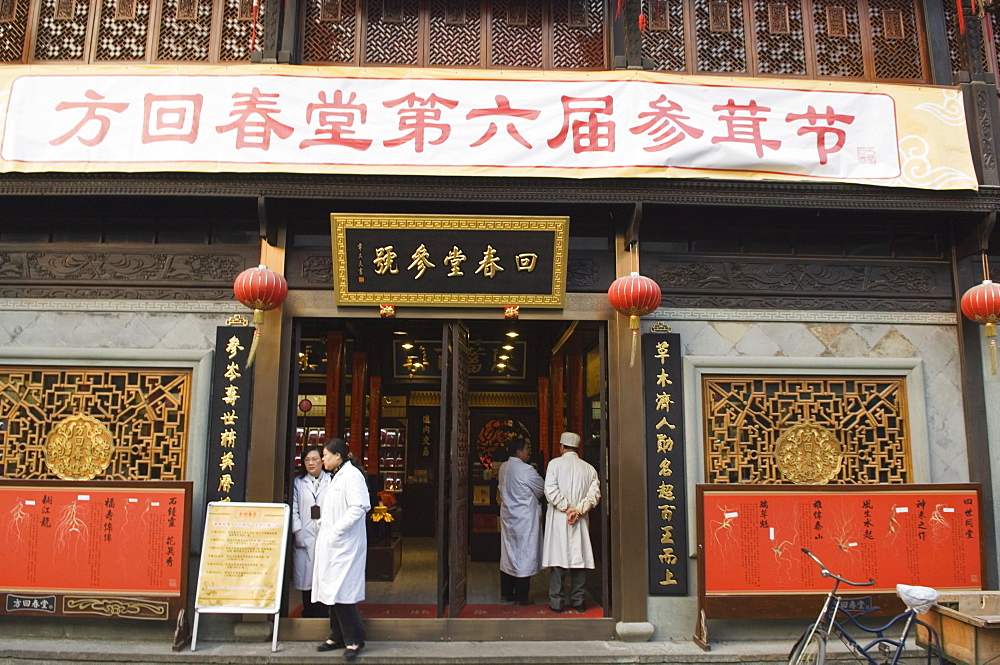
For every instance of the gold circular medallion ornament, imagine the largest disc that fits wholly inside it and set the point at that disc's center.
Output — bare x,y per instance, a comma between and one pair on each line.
79,448
808,454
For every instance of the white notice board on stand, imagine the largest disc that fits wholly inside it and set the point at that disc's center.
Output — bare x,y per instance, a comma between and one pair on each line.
242,561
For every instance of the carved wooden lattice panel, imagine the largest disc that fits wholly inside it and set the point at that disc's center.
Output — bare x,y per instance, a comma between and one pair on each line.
13,26
145,410
838,55
745,416
780,38
665,45
392,42
61,38
329,40
182,38
238,30
517,45
578,40
456,33
719,33
895,43
123,38
951,29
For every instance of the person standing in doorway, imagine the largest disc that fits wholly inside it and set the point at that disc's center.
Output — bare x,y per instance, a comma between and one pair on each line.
341,550
307,495
572,489
521,489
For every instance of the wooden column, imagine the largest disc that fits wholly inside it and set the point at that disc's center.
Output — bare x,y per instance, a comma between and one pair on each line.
576,394
543,421
360,367
374,431
558,401
334,379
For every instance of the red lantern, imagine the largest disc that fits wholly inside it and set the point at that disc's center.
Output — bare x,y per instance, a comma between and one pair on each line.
981,304
634,296
261,289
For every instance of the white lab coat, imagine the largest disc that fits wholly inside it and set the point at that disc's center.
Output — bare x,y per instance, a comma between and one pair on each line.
342,542
520,518
304,527
570,482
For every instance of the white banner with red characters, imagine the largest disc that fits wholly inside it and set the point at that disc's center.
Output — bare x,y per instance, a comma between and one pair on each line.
432,122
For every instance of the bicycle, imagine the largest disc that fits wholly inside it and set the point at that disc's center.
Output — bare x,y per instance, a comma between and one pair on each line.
810,649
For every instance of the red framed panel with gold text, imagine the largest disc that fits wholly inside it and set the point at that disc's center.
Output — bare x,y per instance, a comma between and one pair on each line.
95,548
750,541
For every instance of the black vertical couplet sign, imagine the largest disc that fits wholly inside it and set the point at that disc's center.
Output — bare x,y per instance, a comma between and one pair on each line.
666,509
229,417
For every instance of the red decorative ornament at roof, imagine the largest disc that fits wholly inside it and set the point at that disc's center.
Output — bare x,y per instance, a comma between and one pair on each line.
261,289
634,296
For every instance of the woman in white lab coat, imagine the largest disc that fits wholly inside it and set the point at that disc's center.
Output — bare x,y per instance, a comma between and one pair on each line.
341,550
307,495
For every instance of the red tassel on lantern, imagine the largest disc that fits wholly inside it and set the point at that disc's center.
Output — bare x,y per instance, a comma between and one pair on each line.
261,289
634,296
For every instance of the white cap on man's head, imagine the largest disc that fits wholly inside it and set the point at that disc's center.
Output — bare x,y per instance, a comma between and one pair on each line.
569,440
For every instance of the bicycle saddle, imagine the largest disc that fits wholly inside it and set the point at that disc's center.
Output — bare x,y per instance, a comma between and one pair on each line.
920,599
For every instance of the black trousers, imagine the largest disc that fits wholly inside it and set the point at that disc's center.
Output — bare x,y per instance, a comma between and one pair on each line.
514,588
311,609
345,624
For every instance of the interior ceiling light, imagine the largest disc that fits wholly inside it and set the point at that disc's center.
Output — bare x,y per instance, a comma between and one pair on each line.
398,332
501,365
507,347
505,357
512,334
407,345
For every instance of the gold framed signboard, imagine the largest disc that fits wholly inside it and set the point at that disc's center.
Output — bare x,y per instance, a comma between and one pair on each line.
449,260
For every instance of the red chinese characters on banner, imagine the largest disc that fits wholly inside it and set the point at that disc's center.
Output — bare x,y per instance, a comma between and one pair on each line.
589,134
171,118
502,109
336,120
93,111
744,125
417,117
61,539
821,132
254,123
342,119
665,124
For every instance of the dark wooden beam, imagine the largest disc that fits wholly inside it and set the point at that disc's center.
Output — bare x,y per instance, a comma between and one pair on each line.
735,193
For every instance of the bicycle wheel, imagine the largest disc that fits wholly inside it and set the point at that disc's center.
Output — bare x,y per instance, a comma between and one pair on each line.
811,651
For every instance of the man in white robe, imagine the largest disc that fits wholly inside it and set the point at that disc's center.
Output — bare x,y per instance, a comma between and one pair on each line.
572,489
521,489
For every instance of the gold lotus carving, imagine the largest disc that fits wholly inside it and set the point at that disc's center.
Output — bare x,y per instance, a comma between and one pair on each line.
808,454
79,448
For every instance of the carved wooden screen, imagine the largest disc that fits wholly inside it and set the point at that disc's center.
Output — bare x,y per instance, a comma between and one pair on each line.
13,30
107,31
524,34
778,429
863,39
59,422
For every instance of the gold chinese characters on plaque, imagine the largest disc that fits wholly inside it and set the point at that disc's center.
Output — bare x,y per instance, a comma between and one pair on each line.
808,454
79,448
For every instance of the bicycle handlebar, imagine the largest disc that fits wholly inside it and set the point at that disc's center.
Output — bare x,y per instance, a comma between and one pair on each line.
826,573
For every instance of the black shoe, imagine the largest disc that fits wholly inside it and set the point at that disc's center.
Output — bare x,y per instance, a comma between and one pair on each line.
351,652
580,609
557,610
330,646
522,603
506,600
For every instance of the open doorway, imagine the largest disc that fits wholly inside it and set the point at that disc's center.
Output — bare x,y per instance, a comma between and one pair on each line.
427,405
